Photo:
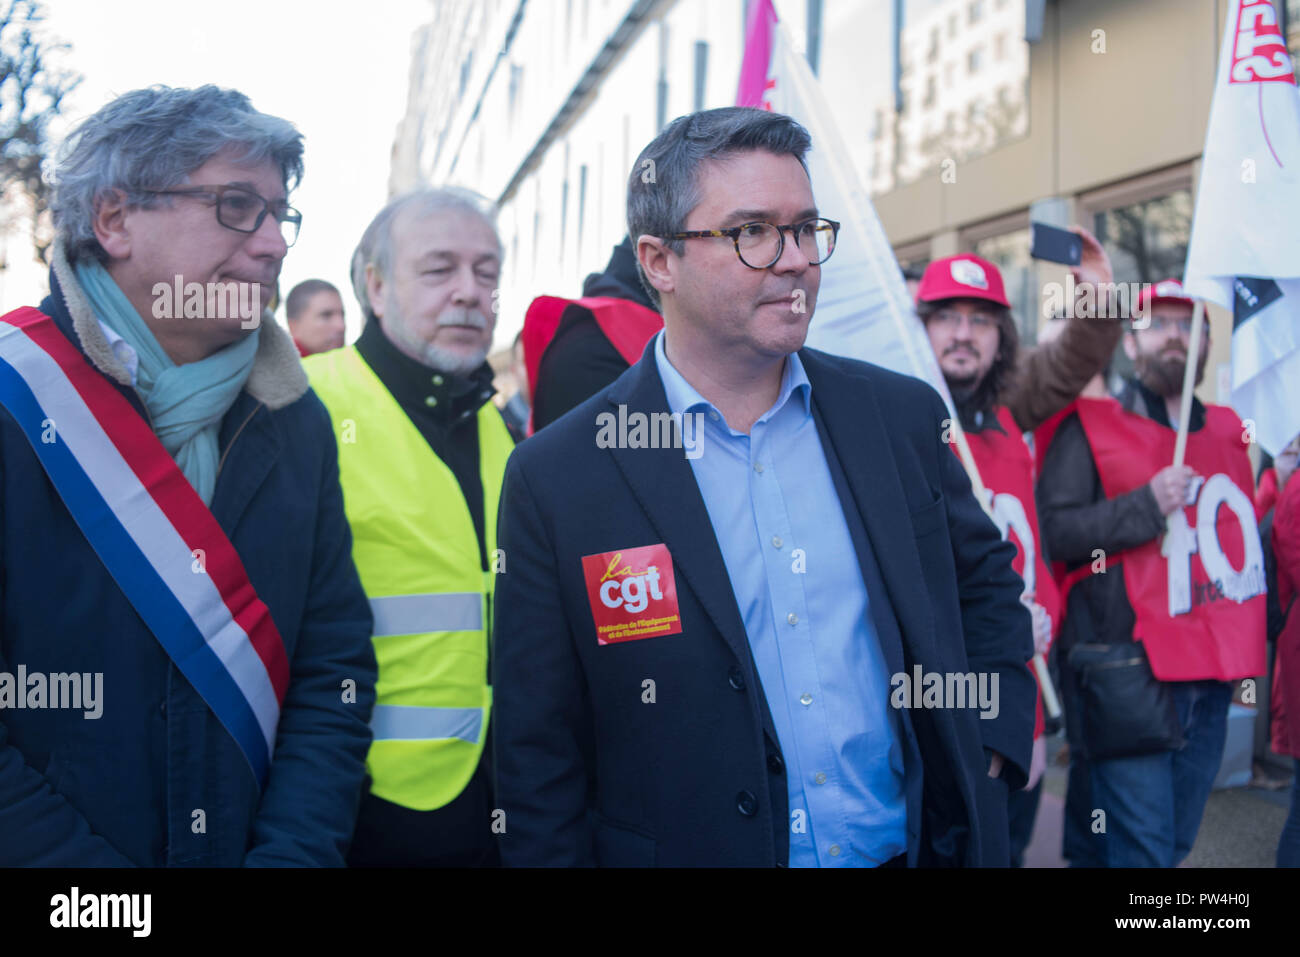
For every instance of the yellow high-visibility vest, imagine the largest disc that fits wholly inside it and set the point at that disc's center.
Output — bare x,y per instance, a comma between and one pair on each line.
416,550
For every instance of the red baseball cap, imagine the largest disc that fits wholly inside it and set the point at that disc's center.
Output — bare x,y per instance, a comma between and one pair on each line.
1166,290
962,277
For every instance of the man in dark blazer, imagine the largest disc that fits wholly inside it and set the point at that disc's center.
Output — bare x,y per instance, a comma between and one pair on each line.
730,575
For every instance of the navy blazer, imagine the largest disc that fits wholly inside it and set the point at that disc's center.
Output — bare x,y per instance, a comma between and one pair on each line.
591,772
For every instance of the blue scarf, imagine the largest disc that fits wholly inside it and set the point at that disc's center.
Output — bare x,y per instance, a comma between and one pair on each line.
186,402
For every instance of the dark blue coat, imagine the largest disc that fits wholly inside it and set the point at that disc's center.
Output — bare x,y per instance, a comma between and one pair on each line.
125,788
589,773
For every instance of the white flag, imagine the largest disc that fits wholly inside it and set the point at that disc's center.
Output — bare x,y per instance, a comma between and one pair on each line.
863,310
1245,244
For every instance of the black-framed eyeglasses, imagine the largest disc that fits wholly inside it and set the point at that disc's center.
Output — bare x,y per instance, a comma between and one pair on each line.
241,209
760,245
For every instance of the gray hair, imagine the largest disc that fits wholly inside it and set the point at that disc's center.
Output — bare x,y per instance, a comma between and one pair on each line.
663,186
153,139
376,246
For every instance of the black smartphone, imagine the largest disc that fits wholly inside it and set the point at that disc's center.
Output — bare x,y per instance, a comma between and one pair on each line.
1054,245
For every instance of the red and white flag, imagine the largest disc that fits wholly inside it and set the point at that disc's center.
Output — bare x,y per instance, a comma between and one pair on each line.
1245,244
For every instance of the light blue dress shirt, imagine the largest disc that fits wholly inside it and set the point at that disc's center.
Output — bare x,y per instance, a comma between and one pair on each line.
795,574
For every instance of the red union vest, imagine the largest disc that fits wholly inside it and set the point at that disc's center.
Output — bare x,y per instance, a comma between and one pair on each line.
1008,473
1197,592
627,325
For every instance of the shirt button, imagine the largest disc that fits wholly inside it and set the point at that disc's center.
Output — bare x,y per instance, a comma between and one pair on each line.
835,850
713,414
777,543
437,380
805,699
758,467
430,401
792,618
820,777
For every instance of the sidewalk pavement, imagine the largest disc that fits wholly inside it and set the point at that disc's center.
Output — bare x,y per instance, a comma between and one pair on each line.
1240,827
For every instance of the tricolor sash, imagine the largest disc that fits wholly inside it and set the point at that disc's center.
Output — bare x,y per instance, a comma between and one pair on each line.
149,527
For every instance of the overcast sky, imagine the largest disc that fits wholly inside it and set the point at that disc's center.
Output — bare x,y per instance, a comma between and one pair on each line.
337,71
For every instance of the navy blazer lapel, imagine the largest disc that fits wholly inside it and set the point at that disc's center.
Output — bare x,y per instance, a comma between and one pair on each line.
855,427
664,483
249,448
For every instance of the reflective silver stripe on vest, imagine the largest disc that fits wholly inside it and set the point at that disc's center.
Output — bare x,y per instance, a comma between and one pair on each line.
417,614
400,722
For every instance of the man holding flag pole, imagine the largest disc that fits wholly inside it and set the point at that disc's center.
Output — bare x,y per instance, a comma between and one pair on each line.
1152,650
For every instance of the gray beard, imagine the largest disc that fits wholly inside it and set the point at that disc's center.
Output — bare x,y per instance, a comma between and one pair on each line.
452,363
435,357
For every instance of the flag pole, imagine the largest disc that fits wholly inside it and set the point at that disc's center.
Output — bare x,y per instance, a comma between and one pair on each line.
1189,382
1050,701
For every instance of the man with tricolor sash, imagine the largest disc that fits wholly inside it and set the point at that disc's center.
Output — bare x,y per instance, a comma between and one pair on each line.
1165,596
422,453
1000,392
171,517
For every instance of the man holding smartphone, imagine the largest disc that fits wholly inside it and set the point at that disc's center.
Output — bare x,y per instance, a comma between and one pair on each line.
1000,392
1154,643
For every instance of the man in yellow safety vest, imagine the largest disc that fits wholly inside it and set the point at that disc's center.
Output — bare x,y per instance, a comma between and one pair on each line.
422,453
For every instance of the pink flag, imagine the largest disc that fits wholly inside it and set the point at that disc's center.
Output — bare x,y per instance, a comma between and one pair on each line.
758,55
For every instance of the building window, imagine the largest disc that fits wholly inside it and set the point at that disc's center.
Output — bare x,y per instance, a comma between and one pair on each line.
564,215
701,72
582,205
465,67
947,80
1147,241
516,83
661,90
1010,253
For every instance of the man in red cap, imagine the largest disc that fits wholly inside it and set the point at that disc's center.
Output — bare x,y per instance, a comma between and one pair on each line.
1001,391
1149,648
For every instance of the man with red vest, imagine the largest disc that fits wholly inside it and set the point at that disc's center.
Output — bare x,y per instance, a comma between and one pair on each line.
575,348
1167,599
1000,392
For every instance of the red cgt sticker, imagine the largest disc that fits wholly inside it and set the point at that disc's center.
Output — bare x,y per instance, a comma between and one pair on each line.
632,594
